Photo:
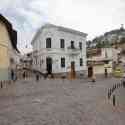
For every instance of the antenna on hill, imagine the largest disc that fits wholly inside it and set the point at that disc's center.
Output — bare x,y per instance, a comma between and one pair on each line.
122,27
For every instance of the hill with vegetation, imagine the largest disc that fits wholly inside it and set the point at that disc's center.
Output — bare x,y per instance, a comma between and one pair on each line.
108,39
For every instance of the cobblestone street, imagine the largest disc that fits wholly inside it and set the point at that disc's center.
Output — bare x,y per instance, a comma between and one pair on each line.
57,102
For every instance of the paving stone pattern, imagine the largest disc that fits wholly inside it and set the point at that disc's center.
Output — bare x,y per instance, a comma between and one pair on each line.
59,102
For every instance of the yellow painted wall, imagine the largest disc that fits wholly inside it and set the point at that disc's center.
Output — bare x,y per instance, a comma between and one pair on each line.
4,40
4,60
4,55
99,69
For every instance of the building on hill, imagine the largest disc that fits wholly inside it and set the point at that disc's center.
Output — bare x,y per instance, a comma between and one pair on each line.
9,54
111,38
25,66
57,49
100,59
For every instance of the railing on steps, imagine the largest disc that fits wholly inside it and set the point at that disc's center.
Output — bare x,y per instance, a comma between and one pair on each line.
112,90
114,87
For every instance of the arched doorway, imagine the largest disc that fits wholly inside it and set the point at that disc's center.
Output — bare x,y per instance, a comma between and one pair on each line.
49,65
72,72
90,71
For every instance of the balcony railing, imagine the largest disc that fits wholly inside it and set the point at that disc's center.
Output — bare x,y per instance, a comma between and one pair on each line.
73,48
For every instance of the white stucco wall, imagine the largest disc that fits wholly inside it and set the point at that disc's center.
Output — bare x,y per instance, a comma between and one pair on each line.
56,53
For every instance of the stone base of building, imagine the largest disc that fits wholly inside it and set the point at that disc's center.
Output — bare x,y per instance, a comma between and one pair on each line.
79,74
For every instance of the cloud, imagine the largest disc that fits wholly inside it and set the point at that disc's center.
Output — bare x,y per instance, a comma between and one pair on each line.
90,16
26,17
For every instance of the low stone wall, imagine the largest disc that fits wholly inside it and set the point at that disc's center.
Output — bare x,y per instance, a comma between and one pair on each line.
79,74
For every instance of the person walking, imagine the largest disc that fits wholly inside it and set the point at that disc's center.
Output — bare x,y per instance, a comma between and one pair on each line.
93,78
24,75
37,77
106,73
12,75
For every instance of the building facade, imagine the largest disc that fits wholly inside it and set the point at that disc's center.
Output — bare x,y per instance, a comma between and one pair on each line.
57,49
102,58
8,49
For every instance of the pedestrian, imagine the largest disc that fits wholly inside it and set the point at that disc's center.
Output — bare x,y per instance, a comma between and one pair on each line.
37,77
12,75
106,73
93,78
24,75
52,76
114,100
45,75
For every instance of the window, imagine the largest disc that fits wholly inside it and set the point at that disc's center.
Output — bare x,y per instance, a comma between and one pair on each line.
62,62
81,62
62,43
72,45
48,43
80,45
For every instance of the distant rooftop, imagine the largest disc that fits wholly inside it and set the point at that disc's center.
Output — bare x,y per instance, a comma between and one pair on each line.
65,29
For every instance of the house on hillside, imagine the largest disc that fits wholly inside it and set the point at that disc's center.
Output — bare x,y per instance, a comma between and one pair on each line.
25,66
99,59
112,38
9,54
57,49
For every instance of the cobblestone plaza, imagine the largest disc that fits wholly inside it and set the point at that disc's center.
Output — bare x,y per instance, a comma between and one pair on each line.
60,102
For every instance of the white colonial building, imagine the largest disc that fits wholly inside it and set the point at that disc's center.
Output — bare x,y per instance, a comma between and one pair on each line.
56,49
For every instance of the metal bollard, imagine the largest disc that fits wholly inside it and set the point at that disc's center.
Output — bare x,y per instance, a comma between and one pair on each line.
120,84
4,83
108,93
111,90
117,86
114,100
1,84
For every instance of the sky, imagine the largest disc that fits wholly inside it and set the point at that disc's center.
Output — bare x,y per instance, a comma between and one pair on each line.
93,17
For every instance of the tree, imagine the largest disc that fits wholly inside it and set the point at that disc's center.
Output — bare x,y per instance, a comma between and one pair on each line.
88,43
99,45
122,40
